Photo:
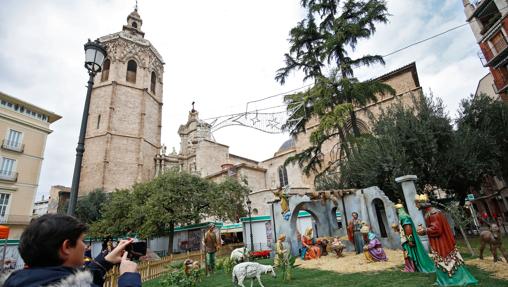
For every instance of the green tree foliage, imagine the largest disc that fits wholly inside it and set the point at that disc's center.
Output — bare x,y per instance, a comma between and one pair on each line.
228,200
89,207
116,219
405,140
322,42
422,141
481,143
174,198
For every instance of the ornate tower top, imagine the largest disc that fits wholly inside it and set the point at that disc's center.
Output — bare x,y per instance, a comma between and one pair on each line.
134,23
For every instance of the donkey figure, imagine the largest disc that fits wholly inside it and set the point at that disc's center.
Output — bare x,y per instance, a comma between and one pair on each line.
494,238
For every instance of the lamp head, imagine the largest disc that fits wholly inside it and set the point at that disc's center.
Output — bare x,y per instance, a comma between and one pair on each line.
94,56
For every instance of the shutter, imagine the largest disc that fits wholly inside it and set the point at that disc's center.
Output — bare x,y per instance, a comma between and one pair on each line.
487,52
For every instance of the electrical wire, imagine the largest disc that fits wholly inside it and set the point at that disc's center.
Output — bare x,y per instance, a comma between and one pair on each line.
386,55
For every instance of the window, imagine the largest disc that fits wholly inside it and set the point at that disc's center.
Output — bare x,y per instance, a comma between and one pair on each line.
283,176
131,71
153,81
134,24
7,166
105,70
98,121
13,139
4,203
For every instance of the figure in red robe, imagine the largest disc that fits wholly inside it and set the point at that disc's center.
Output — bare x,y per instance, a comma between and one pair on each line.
450,269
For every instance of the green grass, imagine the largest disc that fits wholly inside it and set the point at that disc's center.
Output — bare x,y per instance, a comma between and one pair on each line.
475,244
311,277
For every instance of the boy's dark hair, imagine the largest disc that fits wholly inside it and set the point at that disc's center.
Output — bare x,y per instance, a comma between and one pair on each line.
40,242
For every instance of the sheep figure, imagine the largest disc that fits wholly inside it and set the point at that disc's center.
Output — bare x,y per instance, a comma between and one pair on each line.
239,255
250,270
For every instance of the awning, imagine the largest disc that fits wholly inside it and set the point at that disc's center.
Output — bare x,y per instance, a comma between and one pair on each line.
231,228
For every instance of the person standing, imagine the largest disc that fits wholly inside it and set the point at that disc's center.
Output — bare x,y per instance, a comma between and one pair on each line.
211,244
281,252
416,257
450,269
354,234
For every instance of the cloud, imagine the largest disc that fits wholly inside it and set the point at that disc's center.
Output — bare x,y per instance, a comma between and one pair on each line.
220,54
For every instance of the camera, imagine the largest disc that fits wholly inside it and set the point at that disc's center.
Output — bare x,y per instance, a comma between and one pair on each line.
136,250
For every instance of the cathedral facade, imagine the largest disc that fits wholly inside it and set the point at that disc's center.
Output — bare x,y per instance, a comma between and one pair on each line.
200,154
124,128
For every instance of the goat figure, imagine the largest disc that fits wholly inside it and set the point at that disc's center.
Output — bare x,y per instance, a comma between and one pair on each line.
494,238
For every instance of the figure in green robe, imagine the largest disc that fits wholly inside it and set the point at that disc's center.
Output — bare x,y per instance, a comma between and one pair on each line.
415,256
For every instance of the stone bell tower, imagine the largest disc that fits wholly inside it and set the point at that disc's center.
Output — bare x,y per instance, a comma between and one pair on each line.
124,125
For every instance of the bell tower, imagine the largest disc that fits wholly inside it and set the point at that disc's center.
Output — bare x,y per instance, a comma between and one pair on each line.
124,127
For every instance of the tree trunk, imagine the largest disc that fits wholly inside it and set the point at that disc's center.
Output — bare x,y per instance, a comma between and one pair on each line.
344,145
467,241
352,114
354,123
171,235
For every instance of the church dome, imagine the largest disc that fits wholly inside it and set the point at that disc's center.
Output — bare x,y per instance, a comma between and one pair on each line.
287,145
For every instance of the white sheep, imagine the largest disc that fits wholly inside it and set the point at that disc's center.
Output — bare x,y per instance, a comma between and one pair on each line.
239,255
251,270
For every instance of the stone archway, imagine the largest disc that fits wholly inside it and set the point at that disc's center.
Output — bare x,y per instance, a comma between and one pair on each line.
314,220
381,220
320,211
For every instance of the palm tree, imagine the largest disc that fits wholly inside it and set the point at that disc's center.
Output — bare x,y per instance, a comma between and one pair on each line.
321,44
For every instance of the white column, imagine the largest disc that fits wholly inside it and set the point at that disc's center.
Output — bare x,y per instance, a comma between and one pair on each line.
409,189
363,209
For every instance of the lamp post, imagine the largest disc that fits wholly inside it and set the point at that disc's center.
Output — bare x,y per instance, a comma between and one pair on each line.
250,223
94,58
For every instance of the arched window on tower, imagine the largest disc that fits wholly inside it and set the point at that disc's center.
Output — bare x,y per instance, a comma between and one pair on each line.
131,71
283,176
153,82
105,70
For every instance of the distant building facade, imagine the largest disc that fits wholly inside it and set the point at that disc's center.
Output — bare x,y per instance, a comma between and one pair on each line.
24,128
489,23
202,155
124,125
58,199
40,207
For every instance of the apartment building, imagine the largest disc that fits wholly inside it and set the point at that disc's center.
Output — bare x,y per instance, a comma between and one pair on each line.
24,128
489,23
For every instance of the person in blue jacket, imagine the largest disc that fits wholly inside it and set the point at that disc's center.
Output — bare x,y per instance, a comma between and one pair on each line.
53,248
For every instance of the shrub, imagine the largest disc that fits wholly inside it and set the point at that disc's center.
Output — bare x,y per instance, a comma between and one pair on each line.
180,279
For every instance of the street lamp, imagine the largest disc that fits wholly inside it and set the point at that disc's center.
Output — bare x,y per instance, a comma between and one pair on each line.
250,223
94,58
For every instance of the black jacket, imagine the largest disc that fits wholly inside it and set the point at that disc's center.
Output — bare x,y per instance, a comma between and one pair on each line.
60,276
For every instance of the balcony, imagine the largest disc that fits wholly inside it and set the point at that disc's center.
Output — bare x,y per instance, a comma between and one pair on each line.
13,146
15,219
494,55
500,83
8,175
487,13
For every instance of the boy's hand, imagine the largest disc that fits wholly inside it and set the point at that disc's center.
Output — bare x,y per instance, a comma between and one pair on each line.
126,265
115,256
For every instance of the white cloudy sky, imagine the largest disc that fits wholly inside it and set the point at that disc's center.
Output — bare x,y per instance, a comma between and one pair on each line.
220,54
